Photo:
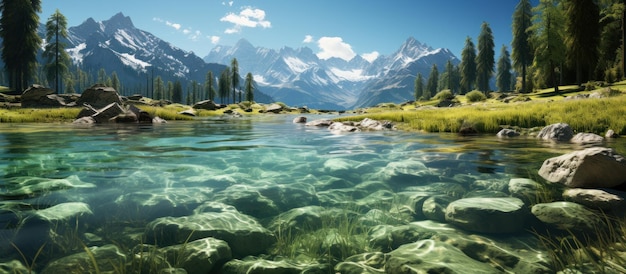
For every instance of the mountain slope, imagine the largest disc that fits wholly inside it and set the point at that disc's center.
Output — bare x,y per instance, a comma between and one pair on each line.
298,77
136,56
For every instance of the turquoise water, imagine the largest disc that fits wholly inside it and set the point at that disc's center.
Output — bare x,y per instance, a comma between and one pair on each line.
46,165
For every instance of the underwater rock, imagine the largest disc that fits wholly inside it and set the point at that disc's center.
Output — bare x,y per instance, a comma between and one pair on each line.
595,198
268,199
434,208
106,257
488,215
433,257
258,265
587,138
28,186
365,263
149,205
506,254
199,256
296,219
560,132
595,167
507,132
390,237
568,216
403,173
525,189
244,234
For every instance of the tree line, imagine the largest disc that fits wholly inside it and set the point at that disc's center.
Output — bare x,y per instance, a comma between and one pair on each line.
18,28
554,43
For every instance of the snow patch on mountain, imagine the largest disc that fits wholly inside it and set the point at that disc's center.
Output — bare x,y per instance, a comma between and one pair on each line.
75,53
296,65
353,75
132,61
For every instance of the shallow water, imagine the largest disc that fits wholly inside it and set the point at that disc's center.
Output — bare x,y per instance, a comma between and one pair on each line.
43,165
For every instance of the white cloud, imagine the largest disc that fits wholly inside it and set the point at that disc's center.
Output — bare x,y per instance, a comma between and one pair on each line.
173,25
308,39
370,57
334,47
229,3
248,17
214,39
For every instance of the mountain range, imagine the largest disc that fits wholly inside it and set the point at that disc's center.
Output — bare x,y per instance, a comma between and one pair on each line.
296,77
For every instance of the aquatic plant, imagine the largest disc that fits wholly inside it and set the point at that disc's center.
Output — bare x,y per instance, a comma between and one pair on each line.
340,235
602,250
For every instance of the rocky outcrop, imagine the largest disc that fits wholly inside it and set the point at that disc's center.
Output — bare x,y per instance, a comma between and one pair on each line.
99,96
366,124
115,113
595,167
37,96
560,132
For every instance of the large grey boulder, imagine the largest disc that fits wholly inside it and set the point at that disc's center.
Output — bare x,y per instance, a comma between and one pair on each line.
507,132
560,132
33,95
99,96
595,167
587,138
568,216
244,235
206,104
488,215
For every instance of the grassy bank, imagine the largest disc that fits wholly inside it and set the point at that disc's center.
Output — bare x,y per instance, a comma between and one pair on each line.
544,108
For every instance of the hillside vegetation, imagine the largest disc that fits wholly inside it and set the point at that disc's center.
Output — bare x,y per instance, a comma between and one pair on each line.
537,109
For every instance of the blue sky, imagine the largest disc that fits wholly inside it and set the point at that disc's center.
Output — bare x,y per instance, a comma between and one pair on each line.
332,28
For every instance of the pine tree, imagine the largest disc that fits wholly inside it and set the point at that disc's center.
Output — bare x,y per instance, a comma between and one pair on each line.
550,49
234,78
522,33
177,92
209,86
18,29
115,82
582,35
419,87
431,86
159,88
485,58
249,87
503,76
54,51
468,66
223,85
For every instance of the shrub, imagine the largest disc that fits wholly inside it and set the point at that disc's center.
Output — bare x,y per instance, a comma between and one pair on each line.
475,96
445,94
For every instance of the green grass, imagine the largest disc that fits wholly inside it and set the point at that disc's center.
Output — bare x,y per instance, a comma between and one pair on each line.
583,115
38,115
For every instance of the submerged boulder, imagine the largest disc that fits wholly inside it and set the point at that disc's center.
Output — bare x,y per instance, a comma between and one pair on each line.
244,234
488,215
595,167
568,216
